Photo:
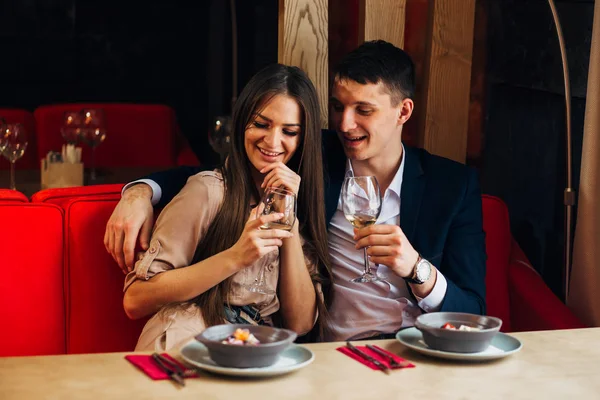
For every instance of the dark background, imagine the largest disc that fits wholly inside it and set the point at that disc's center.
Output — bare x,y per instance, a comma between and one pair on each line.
153,51
179,53
523,158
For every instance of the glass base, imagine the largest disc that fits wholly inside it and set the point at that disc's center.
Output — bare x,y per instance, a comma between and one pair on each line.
367,278
255,288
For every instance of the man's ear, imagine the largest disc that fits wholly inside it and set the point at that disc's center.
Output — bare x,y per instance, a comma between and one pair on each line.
405,109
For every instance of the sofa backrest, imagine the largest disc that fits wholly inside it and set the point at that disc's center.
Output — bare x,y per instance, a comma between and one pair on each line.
96,321
13,196
31,284
496,225
137,135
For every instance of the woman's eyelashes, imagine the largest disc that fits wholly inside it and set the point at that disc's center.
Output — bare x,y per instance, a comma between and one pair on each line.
287,132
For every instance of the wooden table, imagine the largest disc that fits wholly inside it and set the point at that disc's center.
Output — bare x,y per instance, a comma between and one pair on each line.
552,364
28,180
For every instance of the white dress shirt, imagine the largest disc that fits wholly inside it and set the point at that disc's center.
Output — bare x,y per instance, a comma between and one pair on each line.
361,310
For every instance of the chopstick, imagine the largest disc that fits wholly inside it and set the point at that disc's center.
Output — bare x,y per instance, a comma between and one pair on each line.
173,370
388,357
367,357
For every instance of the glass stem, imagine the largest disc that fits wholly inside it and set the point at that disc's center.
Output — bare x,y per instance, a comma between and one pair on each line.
13,184
261,277
367,265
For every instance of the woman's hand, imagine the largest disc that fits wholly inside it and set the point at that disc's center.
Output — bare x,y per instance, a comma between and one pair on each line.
255,242
280,175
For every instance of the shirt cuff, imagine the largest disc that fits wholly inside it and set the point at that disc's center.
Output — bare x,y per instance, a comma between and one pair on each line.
434,300
156,190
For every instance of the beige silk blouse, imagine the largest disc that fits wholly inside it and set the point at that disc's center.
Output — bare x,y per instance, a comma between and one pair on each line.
178,230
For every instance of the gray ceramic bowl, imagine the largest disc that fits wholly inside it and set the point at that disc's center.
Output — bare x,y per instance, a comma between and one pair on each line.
457,341
272,342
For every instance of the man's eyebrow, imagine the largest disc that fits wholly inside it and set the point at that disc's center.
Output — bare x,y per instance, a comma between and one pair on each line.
270,120
359,103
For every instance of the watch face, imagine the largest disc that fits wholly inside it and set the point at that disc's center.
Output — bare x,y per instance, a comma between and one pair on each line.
423,271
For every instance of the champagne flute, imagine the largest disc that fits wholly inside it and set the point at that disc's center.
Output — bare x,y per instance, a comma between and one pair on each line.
275,200
14,142
93,133
361,203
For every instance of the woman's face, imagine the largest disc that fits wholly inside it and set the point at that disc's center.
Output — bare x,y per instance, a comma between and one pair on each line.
275,133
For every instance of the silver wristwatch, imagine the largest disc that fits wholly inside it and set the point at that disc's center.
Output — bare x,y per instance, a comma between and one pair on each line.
421,271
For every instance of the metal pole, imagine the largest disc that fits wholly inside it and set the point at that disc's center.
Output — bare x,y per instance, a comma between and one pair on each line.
569,193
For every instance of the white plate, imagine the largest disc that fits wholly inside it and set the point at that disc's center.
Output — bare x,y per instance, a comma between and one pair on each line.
502,345
291,359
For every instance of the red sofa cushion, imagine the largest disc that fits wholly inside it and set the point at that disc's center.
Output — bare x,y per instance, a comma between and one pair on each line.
61,196
96,321
142,135
13,196
32,285
497,242
30,158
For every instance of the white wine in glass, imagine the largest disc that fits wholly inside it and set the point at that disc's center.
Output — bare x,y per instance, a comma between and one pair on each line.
275,200
361,203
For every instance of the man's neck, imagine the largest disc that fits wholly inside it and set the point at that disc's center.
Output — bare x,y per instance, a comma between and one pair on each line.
384,169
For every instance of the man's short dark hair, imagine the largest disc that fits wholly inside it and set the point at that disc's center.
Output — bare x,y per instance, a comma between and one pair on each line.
380,61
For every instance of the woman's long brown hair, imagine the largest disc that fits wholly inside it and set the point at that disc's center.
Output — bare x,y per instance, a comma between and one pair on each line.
227,227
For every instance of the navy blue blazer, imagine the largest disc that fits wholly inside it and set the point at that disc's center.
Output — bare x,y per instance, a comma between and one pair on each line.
440,214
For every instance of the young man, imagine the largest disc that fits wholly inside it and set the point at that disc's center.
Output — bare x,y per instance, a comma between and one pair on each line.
428,241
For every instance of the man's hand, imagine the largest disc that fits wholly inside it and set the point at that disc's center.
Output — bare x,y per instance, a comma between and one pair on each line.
133,217
388,246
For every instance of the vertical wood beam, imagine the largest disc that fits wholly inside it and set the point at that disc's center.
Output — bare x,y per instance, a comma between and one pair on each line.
382,19
303,34
444,108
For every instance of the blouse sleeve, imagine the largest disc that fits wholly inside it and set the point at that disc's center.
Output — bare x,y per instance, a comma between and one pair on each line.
180,227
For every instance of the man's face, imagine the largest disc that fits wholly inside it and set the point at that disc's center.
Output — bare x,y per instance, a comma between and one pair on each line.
368,124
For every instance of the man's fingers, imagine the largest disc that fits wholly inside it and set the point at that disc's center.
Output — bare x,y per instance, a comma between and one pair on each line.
118,248
145,233
377,229
378,240
106,237
380,251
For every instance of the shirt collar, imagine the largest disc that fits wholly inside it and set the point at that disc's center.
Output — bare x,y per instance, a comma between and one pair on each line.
396,184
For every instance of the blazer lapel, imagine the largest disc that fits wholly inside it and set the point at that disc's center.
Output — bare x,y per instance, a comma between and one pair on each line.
413,185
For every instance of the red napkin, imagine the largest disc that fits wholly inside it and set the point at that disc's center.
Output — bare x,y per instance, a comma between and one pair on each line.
150,368
383,360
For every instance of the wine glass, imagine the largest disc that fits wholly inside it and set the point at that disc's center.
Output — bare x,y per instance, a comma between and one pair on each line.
2,141
14,142
275,200
93,133
71,126
219,135
361,203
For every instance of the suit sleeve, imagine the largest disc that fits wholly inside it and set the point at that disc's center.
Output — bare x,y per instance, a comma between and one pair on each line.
464,260
172,181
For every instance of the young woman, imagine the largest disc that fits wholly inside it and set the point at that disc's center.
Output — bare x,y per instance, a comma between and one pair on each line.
206,246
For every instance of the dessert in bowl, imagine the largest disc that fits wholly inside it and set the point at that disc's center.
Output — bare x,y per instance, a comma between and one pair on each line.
245,346
458,332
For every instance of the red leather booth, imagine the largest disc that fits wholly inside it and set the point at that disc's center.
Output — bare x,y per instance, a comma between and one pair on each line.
62,293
